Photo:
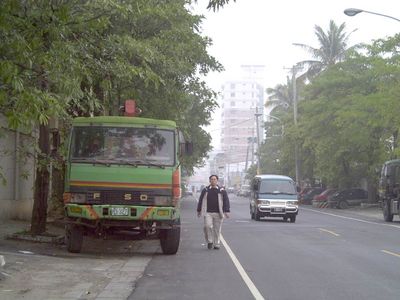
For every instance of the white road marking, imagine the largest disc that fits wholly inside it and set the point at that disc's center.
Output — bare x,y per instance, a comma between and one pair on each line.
350,218
391,253
255,292
2,261
328,231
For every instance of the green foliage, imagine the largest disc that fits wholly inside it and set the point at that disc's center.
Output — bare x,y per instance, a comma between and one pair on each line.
79,58
348,121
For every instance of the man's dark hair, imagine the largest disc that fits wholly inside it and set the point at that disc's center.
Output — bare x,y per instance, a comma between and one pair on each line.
216,176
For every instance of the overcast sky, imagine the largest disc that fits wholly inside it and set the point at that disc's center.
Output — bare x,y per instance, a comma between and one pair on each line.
262,32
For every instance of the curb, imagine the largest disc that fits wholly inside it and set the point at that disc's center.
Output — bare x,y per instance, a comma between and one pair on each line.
51,239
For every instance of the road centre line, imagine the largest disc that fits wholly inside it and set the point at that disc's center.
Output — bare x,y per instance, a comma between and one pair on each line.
255,292
328,231
350,218
391,253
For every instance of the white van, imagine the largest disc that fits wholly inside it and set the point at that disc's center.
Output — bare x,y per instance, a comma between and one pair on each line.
273,196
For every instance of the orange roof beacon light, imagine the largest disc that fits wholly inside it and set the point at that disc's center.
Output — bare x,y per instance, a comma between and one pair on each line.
130,109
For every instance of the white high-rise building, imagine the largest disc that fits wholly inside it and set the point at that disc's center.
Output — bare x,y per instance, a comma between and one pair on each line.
241,99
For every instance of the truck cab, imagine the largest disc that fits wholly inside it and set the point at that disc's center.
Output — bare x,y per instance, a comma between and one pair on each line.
123,175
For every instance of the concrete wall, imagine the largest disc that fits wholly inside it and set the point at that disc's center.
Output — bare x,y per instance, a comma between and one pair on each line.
17,166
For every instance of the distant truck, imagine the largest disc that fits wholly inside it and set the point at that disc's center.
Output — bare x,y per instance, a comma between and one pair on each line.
123,176
389,189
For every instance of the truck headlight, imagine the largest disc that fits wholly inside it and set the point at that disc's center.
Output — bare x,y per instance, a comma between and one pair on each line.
78,198
161,200
295,202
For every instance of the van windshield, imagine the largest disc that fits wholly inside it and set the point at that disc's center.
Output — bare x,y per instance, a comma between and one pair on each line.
277,186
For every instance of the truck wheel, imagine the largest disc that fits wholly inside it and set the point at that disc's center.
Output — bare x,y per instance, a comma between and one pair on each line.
285,218
256,216
169,239
292,219
73,238
387,215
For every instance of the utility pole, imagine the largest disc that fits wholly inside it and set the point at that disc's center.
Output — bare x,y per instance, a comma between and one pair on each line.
258,143
296,147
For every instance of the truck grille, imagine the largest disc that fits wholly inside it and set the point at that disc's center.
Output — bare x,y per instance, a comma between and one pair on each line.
119,197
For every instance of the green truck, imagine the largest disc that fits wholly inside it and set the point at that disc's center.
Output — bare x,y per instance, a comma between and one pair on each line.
123,176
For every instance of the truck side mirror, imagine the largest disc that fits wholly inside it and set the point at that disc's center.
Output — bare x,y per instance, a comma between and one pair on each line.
189,148
186,148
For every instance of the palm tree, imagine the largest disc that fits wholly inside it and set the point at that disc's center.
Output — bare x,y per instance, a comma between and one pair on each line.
333,47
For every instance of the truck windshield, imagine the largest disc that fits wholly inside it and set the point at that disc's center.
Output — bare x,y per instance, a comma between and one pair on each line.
143,146
277,186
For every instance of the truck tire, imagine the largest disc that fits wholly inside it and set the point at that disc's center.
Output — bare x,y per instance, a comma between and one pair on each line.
74,238
256,215
292,219
169,239
387,215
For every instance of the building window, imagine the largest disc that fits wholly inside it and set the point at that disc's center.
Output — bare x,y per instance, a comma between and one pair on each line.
232,103
232,85
232,95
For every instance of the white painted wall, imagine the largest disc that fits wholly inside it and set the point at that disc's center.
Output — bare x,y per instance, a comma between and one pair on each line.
16,196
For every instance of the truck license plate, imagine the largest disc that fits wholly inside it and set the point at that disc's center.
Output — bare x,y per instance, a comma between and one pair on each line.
278,209
119,211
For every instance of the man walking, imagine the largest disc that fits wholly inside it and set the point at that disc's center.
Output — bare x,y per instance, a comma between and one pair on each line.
214,206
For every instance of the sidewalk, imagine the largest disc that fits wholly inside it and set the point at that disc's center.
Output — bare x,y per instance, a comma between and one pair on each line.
365,209
41,269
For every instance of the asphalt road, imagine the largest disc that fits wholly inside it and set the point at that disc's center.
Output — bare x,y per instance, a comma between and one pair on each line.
326,254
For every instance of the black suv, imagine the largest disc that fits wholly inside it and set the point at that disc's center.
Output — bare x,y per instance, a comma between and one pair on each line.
348,197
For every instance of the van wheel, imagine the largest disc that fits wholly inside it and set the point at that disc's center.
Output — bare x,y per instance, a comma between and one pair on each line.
73,238
292,219
343,204
387,216
170,238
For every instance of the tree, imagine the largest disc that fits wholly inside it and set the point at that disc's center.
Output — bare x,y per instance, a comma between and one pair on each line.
83,58
332,49
280,95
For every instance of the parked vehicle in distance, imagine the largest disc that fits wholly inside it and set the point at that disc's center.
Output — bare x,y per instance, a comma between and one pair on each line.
188,192
244,191
348,197
309,196
389,189
273,196
231,190
304,191
324,195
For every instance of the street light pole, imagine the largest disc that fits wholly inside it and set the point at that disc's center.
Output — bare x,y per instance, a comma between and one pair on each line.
351,12
258,142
